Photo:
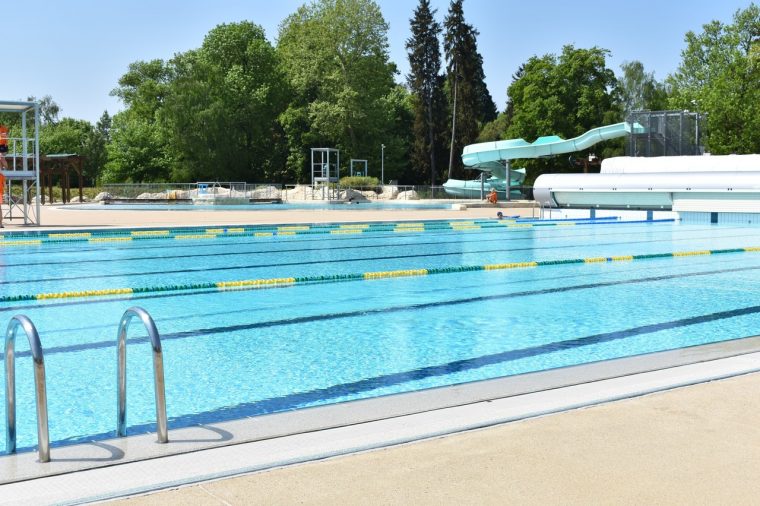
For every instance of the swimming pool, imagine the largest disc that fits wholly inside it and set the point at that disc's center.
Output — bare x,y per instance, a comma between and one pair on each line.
350,311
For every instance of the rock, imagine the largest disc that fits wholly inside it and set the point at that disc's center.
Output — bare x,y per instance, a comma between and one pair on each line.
265,192
408,195
75,200
102,196
151,196
302,192
351,195
389,192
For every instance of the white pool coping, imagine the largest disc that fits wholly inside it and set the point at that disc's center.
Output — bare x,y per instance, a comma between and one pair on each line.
128,466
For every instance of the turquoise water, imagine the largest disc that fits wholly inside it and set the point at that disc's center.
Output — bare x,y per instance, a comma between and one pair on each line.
231,354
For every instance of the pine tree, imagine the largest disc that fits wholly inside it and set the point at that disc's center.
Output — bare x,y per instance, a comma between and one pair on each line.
466,83
426,85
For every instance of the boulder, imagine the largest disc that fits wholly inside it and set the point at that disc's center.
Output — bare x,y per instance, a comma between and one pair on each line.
351,195
152,196
389,192
265,192
102,196
301,192
408,195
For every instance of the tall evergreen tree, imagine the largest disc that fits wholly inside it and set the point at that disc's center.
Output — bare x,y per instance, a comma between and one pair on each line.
426,85
466,81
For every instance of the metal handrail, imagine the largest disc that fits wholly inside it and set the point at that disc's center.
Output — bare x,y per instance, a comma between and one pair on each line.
158,373
43,439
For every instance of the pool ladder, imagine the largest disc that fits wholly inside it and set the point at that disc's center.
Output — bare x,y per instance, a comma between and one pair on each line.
43,439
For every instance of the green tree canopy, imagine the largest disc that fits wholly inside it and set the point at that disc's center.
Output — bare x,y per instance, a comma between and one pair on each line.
563,95
335,55
139,149
639,90
720,74
465,76
426,84
222,107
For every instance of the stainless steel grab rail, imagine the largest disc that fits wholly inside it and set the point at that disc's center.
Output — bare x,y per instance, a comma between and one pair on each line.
43,439
158,373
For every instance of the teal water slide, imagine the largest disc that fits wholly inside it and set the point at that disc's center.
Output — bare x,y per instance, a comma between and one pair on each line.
489,157
484,154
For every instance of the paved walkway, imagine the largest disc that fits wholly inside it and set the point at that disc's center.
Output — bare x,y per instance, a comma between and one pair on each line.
57,217
694,445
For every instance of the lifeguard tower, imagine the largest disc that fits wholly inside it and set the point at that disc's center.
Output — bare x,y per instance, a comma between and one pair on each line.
325,169
23,158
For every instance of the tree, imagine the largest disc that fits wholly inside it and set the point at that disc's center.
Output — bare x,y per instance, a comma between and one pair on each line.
335,56
96,148
139,147
222,106
426,85
639,90
566,96
719,75
466,82
138,151
49,109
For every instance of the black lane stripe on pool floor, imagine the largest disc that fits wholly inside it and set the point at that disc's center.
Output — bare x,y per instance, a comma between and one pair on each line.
331,261
255,309
417,307
297,400
336,249
517,234
514,235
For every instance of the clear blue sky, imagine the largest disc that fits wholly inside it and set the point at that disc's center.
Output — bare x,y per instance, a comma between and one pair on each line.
76,50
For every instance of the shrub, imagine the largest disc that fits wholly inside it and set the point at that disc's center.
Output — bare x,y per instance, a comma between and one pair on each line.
359,182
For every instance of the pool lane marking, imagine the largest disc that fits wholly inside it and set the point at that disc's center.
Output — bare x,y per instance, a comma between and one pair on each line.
21,243
396,274
439,233
246,253
298,399
225,230
299,230
196,236
109,239
150,233
593,339
279,282
255,283
70,235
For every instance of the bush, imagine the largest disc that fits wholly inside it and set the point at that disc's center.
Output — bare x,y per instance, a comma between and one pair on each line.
359,182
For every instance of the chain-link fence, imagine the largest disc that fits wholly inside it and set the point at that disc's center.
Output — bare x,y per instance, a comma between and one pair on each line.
268,192
666,133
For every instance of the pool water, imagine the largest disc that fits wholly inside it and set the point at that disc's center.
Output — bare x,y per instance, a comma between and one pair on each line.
327,334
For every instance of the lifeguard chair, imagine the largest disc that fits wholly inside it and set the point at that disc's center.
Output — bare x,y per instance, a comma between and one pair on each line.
325,169
23,158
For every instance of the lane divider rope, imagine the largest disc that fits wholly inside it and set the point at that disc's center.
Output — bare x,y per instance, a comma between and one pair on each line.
247,284
13,239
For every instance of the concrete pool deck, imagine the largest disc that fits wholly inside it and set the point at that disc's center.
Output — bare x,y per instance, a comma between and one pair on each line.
58,217
692,445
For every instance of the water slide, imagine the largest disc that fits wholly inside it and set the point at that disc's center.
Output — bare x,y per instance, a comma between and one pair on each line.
488,157
484,155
